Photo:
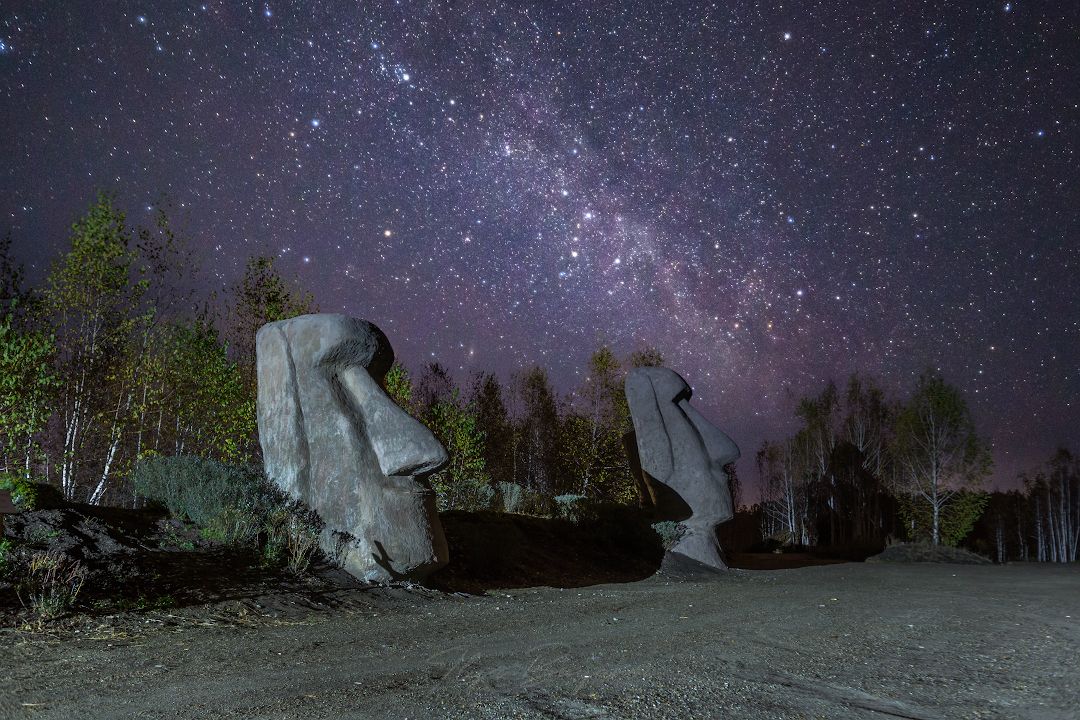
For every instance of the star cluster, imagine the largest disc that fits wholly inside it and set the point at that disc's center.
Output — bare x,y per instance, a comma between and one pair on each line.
772,194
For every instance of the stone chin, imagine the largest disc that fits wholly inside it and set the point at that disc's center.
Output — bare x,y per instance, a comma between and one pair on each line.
333,439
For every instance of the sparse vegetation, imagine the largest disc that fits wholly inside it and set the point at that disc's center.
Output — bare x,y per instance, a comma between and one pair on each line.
47,582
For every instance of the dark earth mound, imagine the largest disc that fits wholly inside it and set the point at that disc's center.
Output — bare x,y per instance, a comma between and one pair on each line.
140,558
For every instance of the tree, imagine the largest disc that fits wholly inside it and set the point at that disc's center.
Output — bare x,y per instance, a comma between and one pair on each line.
939,454
13,296
493,420
398,385
646,356
262,296
535,455
1053,502
202,406
93,299
434,386
818,438
782,471
600,459
464,484
28,384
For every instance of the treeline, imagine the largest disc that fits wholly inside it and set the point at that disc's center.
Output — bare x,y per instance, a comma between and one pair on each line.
1041,522
863,470
112,359
522,444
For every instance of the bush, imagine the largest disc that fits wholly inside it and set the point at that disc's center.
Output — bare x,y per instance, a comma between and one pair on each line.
511,496
232,504
23,491
670,532
292,539
571,507
202,490
48,582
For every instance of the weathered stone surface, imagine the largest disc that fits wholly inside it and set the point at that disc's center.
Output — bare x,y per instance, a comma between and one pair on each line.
333,439
680,457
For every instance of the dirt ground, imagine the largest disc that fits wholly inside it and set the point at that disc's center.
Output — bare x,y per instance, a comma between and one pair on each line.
849,640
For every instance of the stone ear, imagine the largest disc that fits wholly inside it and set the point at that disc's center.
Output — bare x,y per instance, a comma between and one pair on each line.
653,442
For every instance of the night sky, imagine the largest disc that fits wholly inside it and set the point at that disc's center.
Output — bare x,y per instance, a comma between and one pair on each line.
771,194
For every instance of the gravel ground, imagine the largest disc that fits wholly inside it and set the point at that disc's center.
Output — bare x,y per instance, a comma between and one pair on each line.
835,641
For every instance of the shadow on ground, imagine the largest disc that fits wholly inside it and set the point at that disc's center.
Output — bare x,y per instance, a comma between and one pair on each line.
491,550
141,559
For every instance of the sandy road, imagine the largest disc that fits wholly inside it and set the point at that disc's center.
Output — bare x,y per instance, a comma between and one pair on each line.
839,641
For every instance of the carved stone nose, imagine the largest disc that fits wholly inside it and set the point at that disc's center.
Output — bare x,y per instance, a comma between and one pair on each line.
402,444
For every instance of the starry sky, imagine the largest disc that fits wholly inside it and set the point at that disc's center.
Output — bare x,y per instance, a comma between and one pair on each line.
772,194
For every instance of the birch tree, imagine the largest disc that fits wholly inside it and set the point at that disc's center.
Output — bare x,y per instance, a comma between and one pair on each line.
92,301
938,451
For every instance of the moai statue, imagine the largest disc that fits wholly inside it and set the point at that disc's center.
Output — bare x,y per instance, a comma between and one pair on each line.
679,458
332,438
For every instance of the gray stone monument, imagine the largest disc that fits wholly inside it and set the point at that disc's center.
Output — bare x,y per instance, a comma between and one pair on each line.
333,439
680,459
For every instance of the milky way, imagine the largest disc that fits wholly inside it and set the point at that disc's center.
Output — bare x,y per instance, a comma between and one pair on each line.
771,194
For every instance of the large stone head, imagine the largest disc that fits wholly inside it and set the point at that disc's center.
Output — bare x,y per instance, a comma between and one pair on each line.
333,439
680,458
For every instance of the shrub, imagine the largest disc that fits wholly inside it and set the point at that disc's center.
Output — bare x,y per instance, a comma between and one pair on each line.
292,538
571,507
202,490
231,504
511,496
48,582
23,491
233,526
670,532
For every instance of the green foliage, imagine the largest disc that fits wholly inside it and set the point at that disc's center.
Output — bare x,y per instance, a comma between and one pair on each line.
201,490
398,385
511,496
464,483
212,409
292,539
28,385
591,436
939,452
95,303
24,492
956,520
670,532
7,556
571,507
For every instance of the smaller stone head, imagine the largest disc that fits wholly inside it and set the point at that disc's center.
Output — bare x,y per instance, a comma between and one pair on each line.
680,457
332,438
